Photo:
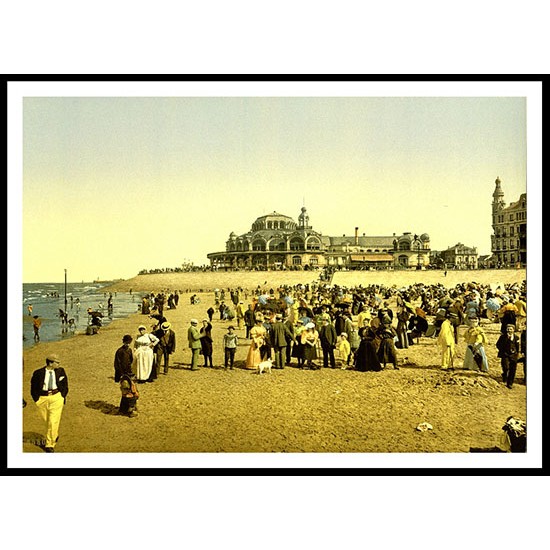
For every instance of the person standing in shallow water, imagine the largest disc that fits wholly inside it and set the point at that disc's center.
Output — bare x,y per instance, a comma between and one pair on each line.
36,324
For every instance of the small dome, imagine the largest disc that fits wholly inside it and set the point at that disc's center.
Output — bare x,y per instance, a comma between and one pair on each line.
424,237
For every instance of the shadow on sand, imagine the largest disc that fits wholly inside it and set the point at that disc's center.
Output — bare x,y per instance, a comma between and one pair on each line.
103,406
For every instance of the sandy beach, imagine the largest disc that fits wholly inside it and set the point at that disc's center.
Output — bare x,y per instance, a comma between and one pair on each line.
288,411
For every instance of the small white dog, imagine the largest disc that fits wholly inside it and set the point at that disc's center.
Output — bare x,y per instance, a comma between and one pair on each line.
265,366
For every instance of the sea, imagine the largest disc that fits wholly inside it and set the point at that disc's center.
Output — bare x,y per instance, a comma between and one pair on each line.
48,298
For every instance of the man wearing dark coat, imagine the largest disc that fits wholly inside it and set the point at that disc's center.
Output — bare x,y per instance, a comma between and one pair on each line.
165,347
327,337
291,339
124,358
509,347
49,389
279,336
249,320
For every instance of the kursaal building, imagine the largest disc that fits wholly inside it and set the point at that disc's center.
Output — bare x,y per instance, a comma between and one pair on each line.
276,241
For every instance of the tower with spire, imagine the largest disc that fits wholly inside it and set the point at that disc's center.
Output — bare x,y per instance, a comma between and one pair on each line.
303,219
498,201
509,238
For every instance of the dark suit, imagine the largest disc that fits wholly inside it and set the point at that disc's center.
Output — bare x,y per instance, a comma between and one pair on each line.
328,337
280,334
508,351
166,346
290,340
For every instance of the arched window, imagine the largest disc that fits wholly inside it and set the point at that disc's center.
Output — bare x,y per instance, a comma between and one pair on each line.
403,260
313,244
296,244
296,260
258,244
276,244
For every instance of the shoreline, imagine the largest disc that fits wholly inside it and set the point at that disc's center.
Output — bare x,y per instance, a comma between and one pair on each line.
288,411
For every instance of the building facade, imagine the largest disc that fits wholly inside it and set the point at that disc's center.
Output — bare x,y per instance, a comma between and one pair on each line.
509,239
460,256
276,241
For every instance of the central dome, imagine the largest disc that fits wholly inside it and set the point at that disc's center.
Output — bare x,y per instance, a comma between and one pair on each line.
274,221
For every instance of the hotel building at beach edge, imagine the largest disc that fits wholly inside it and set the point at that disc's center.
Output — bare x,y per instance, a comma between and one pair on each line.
509,239
276,241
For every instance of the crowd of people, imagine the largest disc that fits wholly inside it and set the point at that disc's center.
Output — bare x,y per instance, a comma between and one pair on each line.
312,327
322,326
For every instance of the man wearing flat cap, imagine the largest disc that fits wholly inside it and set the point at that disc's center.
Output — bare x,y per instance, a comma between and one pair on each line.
49,389
166,345
194,339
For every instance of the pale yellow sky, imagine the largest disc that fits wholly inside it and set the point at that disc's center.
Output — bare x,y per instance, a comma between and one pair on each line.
113,185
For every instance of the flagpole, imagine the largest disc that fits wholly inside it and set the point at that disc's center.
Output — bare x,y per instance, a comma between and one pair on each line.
65,291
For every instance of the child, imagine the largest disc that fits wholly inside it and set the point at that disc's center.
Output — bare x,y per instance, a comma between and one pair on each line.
344,348
129,397
230,343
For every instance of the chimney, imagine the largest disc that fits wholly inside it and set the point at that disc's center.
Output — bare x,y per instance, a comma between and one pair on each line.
356,236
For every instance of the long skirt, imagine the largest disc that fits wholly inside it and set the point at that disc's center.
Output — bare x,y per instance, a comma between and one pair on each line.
386,352
143,362
366,357
310,352
254,356
402,336
469,361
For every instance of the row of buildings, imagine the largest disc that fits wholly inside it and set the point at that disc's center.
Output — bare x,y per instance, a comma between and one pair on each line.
275,241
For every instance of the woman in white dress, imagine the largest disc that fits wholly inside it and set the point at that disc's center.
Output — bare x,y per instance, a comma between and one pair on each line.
143,354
